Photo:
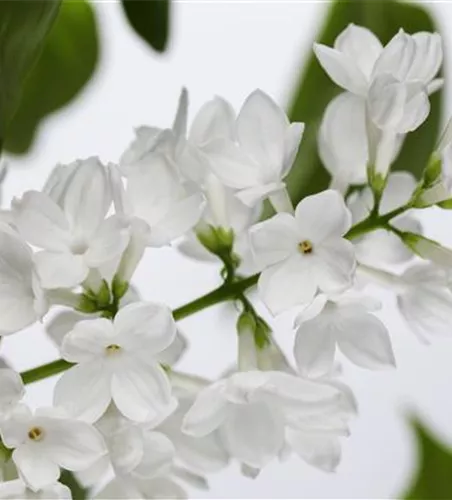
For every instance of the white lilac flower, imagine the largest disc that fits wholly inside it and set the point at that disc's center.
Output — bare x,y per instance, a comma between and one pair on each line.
158,198
22,300
18,490
382,247
117,361
63,322
394,83
428,249
346,324
263,153
252,410
45,441
154,140
423,297
73,234
305,253
358,57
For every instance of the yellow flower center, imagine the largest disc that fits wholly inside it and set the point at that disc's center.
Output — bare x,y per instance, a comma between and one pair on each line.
112,348
36,433
305,247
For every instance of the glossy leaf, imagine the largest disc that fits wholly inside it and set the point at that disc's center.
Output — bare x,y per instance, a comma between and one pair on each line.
66,65
433,479
150,19
315,90
23,28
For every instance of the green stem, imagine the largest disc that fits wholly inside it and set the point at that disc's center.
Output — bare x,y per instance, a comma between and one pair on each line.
221,294
374,222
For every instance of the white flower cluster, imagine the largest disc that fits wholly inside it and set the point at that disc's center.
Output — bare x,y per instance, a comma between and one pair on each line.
124,421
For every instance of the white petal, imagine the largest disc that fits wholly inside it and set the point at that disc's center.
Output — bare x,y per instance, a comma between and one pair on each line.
141,391
87,197
261,129
41,221
108,243
88,340
11,389
215,119
361,46
435,85
173,353
208,412
252,196
343,140
179,219
397,57
382,247
152,187
253,434
14,429
287,284
294,135
322,216
428,59
398,191
416,110
145,327
84,391
323,452
60,270
62,323
386,102
35,468
315,346
335,267
274,240
341,68
158,455
364,339
73,444
126,449
231,164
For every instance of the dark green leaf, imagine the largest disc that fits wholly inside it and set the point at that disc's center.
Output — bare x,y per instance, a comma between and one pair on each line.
150,19
67,62
23,28
433,479
315,90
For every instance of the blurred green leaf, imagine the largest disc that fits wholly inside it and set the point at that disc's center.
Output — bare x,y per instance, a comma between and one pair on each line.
23,28
433,479
315,90
150,19
67,63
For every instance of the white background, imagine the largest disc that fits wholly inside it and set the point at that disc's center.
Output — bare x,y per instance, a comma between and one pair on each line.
230,48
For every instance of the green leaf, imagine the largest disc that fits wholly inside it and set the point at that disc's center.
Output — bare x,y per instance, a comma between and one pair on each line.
150,19
23,28
315,90
67,63
433,479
